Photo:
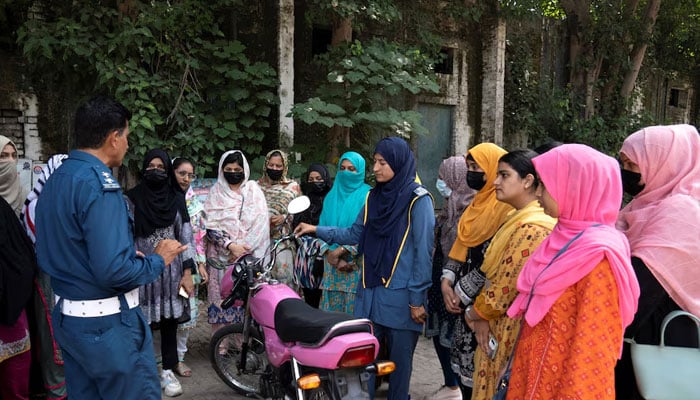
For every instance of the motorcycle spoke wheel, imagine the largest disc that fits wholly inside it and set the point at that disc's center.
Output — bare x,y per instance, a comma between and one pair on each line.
225,356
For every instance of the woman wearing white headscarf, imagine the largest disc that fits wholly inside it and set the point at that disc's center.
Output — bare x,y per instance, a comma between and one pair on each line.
236,219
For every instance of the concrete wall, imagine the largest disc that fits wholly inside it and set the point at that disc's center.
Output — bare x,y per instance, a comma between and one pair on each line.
669,100
494,58
454,91
285,68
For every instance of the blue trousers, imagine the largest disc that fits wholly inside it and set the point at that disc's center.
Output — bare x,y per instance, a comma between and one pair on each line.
108,358
400,343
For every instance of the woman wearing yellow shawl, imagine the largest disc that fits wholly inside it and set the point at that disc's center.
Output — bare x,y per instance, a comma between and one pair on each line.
511,246
462,280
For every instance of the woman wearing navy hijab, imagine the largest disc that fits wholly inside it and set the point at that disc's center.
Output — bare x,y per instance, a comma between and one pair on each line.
394,231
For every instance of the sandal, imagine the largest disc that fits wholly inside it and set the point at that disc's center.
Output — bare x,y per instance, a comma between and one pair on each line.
183,370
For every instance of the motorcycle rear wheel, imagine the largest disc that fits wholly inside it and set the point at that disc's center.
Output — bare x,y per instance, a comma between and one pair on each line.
225,356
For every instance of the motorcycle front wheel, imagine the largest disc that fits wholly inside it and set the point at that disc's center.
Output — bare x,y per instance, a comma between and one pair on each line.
225,355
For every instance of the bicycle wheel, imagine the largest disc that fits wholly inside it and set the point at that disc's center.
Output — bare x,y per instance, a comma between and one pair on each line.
225,356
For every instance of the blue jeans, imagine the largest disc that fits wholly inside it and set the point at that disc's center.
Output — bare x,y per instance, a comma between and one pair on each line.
401,344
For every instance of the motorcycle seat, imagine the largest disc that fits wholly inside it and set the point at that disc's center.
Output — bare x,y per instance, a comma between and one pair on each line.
296,321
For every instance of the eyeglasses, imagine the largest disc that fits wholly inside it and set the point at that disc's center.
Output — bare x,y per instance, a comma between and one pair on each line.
183,174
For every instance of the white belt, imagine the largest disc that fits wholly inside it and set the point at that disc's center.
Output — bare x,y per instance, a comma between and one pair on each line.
99,307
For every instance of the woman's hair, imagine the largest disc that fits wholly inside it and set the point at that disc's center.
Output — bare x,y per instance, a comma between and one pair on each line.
232,158
521,161
547,146
181,160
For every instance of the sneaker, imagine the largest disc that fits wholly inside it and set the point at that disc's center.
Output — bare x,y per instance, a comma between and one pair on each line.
446,393
169,383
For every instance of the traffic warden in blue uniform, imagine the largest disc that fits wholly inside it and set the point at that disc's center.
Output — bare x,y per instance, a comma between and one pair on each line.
85,243
394,231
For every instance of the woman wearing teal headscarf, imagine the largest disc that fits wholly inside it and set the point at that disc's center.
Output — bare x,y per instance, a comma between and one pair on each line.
340,208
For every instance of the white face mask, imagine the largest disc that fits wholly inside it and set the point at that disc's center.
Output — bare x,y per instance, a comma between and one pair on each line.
442,187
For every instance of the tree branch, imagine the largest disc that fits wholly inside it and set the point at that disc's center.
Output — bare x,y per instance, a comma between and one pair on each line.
640,47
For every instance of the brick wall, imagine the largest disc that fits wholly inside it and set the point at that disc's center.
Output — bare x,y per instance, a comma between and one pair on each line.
11,127
18,121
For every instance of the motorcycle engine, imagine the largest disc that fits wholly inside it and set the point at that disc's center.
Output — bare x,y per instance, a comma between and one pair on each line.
270,384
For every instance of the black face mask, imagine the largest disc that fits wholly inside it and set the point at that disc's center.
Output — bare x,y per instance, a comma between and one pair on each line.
630,182
234,178
155,178
316,187
274,174
475,180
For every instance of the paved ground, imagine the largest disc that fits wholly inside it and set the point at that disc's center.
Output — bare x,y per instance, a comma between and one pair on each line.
206,385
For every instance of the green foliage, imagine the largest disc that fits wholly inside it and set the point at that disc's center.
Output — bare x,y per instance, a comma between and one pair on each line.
382,11
363,81
191,90
534,105
676,40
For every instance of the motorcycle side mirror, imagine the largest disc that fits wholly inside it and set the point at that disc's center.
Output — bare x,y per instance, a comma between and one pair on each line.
298,205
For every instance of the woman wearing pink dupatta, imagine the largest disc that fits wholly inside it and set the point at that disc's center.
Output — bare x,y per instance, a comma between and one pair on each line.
661,168
582,299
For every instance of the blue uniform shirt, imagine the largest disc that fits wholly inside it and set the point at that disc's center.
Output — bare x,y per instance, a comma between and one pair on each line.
389,306
84,237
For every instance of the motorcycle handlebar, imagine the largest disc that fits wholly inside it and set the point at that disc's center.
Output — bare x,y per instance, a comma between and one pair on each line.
260,267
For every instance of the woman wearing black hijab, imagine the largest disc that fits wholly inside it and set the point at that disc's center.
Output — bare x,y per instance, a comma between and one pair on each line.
160,212
316,185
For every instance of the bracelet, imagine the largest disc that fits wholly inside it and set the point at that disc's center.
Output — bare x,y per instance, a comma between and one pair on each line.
466,313
412,307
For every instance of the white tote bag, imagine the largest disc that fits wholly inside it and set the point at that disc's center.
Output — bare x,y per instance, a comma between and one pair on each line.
667,372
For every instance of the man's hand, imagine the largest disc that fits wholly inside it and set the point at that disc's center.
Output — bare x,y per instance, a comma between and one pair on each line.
451,299
169,249
303,229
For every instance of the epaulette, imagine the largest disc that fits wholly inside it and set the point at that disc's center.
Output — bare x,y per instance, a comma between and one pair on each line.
420,191
109,184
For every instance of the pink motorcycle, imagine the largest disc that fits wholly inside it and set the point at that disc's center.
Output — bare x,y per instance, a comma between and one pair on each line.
286,349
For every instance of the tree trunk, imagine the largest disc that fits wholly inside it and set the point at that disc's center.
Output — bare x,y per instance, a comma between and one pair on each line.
578,21
637,54
342,34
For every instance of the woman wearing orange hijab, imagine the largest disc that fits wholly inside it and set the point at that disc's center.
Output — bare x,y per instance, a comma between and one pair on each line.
462,279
